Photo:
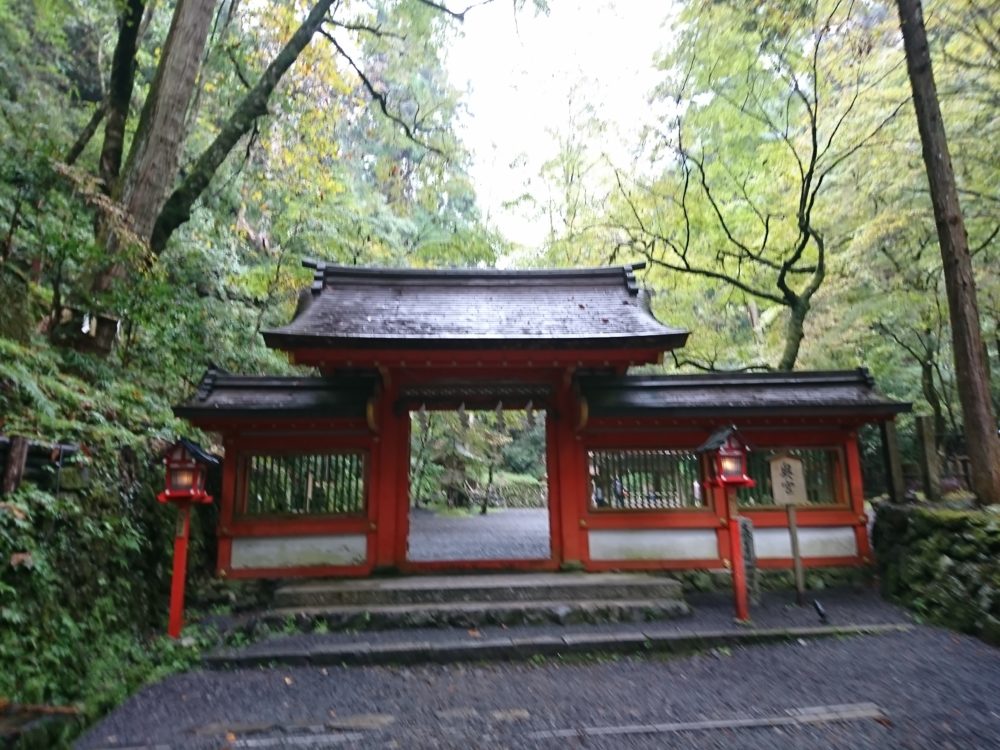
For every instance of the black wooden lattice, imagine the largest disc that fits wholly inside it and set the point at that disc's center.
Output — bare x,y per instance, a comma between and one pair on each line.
658,479
313,484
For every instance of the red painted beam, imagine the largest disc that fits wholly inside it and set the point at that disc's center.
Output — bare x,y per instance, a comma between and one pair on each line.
411,359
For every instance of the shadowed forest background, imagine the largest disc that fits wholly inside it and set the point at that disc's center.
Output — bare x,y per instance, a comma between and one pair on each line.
166,164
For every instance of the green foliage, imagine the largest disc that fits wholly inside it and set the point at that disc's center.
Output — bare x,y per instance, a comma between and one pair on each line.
525,453
84,564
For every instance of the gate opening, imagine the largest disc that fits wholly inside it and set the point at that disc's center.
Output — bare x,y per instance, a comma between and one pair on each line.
478,486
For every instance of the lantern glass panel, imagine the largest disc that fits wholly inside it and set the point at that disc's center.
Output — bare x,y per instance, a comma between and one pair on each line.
732,466
182,479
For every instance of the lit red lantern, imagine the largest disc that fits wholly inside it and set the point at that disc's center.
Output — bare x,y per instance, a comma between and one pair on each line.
727,459
186,467
726,467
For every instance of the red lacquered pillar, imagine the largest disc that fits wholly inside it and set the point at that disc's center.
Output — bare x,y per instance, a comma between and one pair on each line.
180,569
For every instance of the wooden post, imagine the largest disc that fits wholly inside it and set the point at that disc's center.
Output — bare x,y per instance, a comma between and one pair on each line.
17,457
180,570
893,463
736,552
793,532
930,469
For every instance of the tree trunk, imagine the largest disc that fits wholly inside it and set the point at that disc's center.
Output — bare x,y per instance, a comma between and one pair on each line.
794,333
980,424
177,209
156,150
17,457
120,92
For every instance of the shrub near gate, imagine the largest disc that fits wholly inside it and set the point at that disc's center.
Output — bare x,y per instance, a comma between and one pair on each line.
944,564
85,559
520,490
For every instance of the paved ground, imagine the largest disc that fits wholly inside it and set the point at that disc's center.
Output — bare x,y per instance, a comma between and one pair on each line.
930,688
938,690
502,534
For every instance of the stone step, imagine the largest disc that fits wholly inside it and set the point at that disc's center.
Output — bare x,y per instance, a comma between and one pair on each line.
458,647
478,588
469,614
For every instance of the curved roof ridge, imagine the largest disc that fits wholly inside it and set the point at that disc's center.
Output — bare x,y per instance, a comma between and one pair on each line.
333,269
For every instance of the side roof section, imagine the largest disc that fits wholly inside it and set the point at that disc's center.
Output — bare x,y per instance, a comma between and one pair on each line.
732,395
220,394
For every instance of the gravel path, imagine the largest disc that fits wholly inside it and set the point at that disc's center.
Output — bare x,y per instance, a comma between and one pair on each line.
502,534
938,690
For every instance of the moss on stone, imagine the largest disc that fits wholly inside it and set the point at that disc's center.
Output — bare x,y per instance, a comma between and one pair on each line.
942,563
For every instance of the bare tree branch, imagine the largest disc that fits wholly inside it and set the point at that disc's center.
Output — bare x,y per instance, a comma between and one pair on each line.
379,96
458,15
710,366
373,30
86,134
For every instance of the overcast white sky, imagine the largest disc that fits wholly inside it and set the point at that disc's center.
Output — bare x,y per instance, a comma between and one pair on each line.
519,72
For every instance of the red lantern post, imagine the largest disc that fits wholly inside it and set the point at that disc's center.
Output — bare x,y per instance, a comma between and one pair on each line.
186,465
727,468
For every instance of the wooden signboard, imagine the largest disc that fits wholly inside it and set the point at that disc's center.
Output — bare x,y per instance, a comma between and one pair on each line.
788,480
788,486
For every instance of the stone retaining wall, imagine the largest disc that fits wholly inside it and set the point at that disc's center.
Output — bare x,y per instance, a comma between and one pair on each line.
943,564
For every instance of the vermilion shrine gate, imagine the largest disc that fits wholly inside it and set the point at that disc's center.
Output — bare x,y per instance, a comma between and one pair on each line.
316,471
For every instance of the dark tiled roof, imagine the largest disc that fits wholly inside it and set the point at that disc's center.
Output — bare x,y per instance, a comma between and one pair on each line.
224,395
466,309
743,394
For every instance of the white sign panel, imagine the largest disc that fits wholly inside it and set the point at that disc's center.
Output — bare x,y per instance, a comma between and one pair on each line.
788,480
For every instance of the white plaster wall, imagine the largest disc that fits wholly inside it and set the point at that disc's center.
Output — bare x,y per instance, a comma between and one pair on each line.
653,544
296,551
833,541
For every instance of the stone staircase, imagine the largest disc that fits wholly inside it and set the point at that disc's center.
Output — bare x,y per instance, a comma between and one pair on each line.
472,618
476,600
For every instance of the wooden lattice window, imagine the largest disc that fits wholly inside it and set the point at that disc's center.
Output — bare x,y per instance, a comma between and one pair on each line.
305,484
822,467
657,479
